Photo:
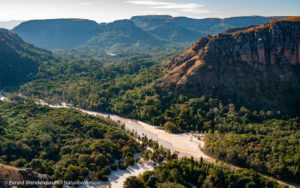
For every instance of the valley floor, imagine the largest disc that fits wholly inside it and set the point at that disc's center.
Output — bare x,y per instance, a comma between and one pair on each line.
186,145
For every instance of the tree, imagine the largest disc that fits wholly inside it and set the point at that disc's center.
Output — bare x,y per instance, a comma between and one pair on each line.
170,185
100,160
84,159
72,173
171,127
113,167
133,182
129,160
36,164
3,123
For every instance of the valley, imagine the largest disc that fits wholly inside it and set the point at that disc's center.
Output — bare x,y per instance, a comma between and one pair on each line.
142,103
184,145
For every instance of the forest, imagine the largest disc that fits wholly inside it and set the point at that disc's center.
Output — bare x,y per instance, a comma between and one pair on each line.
180,173
127,87
62,143
271,147
68,145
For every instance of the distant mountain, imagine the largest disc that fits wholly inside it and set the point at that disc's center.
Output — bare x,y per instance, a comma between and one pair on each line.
150,22
206,25
252,66
139,31
19,61
84,34
10,24
172,32
189,29
119,34
57,33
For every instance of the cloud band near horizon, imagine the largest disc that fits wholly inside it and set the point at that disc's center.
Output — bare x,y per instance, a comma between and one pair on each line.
163,5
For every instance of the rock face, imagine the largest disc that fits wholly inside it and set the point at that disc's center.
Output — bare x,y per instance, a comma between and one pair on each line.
154,24
254,66
9,173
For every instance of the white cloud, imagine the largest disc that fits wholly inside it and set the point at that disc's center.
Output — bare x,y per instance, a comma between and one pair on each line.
151,3
175,8
195,11
180,6
85,4
90,3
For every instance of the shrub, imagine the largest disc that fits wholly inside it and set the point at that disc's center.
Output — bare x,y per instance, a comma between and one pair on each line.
113,167
122,166
104,178
129,161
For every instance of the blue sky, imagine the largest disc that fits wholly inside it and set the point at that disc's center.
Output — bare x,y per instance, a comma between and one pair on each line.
109,10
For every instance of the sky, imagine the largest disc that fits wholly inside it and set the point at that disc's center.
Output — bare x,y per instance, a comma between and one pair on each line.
109,10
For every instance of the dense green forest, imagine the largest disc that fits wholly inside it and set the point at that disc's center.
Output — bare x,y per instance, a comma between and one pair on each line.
271,147
94,82
126,86
21,62
68,145
62,143
180,173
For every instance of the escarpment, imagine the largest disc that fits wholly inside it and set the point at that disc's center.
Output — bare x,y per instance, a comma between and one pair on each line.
252,66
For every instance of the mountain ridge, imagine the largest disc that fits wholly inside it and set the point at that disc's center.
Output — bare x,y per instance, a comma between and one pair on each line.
256,66
57,33
204,24
119,34
75,33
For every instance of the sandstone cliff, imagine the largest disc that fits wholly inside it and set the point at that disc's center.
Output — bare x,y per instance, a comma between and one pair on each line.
253,66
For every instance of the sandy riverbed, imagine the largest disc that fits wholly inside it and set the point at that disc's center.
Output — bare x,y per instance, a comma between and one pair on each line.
185,144
2,98
117,178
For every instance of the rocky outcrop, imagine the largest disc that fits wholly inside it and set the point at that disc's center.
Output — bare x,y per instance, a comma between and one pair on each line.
11,176
257,65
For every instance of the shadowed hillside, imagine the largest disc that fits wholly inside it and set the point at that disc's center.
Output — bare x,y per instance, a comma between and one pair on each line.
19,61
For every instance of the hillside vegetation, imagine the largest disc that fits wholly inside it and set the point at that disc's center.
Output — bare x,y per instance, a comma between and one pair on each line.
20,62
185,172
62,143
